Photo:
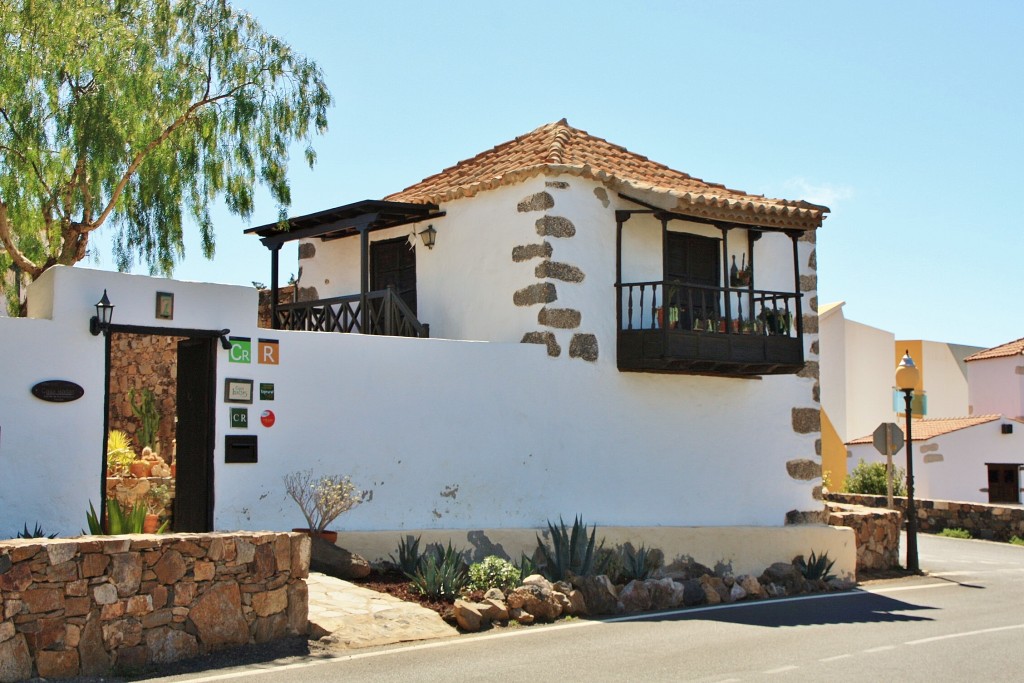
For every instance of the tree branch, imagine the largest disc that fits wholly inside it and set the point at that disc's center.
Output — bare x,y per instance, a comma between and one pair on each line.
7,239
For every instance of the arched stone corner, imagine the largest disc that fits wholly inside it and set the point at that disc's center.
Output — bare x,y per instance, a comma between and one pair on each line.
562,318
540,201
525,252
556,184
559,271
307,250
810,369
545,338
583,346
808,283
806,420
555,226
810,323
542,293
803,469
794,517
809,236
816,392
817,447
602,196
812,260
815,347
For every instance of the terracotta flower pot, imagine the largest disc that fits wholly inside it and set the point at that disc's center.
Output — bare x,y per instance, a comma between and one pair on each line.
151,524
329,536
139,469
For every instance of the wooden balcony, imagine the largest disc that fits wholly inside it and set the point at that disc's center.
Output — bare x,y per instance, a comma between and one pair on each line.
380,312
691,329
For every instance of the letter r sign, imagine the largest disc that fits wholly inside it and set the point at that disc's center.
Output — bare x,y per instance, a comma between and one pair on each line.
267,351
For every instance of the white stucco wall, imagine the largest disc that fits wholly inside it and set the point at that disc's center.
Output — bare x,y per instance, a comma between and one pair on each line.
944,378
869,378
447,434
996,385
952,466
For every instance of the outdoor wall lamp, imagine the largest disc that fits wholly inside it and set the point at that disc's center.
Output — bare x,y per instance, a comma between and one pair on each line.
907,376
104,313
225,343
428,236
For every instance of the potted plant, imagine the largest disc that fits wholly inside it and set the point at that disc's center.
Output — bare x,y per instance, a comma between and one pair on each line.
119,453
322,499
157,499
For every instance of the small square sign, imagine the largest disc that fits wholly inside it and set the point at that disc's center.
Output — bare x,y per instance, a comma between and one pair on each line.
266,391
268,351
241,350
239,418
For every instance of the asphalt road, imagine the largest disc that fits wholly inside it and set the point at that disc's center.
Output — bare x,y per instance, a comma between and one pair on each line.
962,622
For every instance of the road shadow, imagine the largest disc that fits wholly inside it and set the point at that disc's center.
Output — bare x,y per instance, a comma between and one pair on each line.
852,607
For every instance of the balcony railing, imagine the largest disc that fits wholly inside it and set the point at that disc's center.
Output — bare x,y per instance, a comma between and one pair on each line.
386,314
687,328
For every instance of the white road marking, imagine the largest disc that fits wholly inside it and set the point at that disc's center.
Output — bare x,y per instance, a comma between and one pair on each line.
836,658
782,669
882,648
898,589
965,634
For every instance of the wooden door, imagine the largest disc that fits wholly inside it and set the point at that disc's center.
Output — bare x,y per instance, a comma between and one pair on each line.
693,260
193,498
393,263
1003,483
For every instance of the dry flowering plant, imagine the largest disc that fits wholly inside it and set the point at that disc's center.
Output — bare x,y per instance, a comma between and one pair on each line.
322,499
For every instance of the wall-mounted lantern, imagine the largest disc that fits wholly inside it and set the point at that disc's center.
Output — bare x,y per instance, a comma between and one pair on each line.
428,236
104,314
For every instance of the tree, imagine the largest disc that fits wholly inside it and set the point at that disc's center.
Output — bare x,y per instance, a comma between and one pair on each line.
140,113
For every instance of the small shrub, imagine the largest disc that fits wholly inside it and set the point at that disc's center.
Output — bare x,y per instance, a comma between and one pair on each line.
954,533
869,479
638,564
493,572
1016,540
37,532
442,575
817,567
409,556
572,552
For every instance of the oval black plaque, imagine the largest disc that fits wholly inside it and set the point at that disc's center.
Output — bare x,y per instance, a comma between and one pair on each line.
58,391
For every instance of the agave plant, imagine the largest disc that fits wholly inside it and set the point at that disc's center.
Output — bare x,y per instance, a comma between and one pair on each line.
572,552
637,564
409,556
120,520
442,575
816,567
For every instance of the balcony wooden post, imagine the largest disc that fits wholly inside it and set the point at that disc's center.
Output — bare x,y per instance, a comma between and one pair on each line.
364,277
726,278
795,236
275,292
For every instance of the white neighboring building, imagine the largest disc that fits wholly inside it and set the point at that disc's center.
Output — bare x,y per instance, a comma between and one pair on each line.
996,379
630,374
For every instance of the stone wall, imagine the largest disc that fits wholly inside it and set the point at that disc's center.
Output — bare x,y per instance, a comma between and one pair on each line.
877,531
990,522
140,361
90,605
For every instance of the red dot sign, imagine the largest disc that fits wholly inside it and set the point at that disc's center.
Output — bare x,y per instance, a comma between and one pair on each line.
267,418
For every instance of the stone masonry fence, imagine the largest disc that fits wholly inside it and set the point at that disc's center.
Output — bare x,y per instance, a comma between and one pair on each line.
91,605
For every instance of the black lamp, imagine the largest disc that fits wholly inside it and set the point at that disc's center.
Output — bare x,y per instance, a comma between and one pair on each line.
428,236
104,313
907,376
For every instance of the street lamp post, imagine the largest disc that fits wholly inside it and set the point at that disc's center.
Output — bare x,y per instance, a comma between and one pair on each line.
907,376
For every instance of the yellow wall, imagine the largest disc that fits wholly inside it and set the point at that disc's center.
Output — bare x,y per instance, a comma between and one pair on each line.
833,454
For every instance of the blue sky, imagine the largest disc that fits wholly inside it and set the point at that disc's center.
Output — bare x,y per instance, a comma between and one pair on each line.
906,118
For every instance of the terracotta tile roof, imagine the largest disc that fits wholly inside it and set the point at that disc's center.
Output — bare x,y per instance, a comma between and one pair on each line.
1014,348
558,148
926,429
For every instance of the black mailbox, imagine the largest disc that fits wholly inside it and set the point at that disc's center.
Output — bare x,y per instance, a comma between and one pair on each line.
240,448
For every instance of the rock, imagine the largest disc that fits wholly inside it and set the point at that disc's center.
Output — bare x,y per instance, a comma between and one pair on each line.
752,586
126,573
539,602
494,610
332,560
217,617
522,616
634,597
599,593
494,594
538,580
270,602
298,608
57,663
577,604
15,661
717,585
684,570
270,628
693,592
94,658
737,592
170,568
774,590
665,593
468,616
785,575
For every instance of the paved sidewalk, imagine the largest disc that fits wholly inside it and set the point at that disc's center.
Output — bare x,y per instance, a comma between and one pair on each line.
345,615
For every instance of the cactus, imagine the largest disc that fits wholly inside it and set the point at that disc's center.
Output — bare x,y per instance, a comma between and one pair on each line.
147,413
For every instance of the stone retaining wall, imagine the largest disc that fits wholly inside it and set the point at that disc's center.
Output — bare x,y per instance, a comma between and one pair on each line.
90,605
990,522
877,531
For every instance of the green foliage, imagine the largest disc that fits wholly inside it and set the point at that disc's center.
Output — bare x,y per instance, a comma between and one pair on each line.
572,552
120,519
526,566
149,416
608,561
141,113
37,532
409,556
1016,540
120,454
817,567
493,572
870,479
638,564
442,575
954,533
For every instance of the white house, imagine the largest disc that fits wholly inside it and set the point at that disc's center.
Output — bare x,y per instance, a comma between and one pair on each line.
996,380
552,327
